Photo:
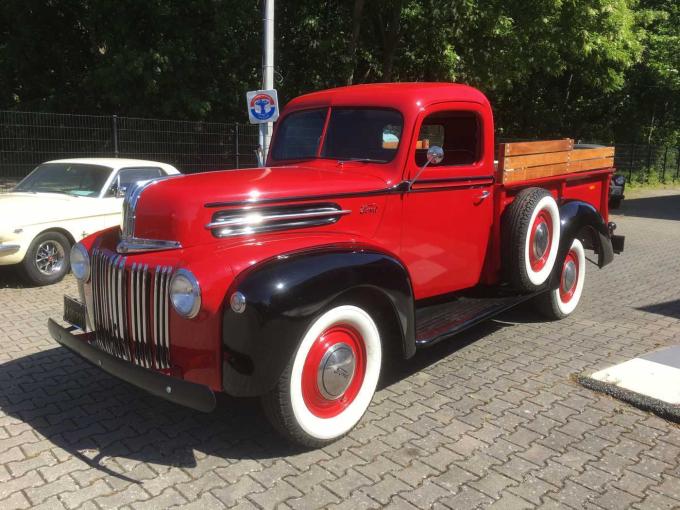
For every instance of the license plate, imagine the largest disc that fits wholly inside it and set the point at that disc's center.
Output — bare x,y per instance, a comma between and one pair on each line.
74,312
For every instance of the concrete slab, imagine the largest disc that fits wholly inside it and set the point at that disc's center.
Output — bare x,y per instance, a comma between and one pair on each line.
650,382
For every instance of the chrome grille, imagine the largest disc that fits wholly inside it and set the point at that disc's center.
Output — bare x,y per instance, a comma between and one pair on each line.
131,318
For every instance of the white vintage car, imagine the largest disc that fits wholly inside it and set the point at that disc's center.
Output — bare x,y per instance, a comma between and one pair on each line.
58,204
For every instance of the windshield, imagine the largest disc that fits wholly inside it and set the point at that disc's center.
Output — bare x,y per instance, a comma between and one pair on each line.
68,178
353,134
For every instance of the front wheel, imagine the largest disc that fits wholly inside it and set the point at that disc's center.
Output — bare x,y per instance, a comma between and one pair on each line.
562,301
330,381
47,259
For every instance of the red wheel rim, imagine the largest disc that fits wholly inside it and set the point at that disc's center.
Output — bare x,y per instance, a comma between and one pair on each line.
542,223
569,278
317,403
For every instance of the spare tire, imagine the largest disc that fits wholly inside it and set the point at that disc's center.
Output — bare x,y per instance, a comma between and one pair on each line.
531,238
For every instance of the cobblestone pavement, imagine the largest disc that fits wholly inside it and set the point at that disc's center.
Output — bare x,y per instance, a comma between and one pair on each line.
489,419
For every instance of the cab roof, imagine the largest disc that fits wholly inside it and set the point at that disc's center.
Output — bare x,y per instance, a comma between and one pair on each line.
406,97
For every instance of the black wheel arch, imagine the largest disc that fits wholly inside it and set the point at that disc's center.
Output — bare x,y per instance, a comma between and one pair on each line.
285,293
581,220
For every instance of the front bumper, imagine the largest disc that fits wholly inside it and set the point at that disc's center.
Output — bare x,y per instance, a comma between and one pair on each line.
185,393
10,253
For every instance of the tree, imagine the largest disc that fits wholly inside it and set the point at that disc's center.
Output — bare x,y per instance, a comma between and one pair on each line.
592,69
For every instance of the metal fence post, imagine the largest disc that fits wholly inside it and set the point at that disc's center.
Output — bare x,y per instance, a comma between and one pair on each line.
236,137
115,135
632,162
663,172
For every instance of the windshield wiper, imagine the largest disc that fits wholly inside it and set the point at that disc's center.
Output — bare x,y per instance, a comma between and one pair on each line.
365,160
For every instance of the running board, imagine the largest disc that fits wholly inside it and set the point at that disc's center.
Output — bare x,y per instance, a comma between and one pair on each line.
436,322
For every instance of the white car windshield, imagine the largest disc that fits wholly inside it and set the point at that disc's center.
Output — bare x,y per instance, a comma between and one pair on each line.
68,178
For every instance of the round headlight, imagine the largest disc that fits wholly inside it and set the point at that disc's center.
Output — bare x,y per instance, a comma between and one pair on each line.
619,180
185,293
80,262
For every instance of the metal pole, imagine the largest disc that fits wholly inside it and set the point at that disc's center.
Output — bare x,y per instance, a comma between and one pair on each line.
236,137
115,135
267,69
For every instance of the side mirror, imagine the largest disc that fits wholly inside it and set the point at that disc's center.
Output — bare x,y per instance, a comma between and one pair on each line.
117,190
435,155
120,191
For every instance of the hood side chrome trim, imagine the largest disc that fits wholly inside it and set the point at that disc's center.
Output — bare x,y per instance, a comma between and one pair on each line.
250,220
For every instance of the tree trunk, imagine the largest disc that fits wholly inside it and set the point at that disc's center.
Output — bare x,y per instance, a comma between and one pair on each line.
390,36
354,41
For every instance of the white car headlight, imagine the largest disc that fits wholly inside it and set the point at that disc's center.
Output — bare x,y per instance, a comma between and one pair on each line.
185,293
80,262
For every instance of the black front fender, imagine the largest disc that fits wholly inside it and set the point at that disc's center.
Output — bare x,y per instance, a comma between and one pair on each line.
284,294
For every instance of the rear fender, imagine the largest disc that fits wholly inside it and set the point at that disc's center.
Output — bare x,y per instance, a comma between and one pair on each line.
284,294
575,216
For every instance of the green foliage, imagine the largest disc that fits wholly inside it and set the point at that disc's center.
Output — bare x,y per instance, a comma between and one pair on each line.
597,70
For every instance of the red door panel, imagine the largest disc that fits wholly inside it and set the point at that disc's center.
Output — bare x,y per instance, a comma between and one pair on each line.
448,213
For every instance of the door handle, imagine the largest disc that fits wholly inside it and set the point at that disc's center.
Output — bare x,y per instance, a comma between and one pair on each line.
485,194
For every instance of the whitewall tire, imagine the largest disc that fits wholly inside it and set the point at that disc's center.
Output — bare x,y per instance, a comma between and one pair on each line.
562,301
330,381
531,238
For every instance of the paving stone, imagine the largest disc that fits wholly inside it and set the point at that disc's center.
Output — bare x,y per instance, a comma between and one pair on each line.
76,498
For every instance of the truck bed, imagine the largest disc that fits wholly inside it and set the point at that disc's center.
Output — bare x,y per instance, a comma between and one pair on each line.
525,161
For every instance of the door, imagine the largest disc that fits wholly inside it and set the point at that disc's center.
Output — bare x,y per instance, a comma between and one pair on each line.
448,211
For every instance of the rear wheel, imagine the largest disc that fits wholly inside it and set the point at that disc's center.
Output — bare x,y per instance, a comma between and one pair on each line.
562,301
47,259
330,381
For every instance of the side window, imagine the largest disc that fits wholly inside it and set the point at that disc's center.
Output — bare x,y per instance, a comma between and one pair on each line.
457,132
128,176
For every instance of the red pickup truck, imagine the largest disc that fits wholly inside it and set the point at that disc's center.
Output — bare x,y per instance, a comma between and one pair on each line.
384,221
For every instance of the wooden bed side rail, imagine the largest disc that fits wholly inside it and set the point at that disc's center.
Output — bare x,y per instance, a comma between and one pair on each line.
520,161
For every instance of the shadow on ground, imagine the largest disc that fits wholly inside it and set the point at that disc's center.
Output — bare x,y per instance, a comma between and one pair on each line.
10,278
92,415
666,207
668,308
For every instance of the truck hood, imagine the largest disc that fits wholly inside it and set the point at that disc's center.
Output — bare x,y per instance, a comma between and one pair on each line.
179,208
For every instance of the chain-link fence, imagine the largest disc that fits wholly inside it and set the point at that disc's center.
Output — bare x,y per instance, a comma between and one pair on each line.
648,164
28,139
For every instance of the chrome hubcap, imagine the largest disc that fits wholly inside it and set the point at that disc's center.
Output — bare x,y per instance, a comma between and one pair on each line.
568,275
50,257
540,240
336,371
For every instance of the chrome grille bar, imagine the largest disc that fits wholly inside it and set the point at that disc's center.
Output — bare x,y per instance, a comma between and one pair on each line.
160,298
131,310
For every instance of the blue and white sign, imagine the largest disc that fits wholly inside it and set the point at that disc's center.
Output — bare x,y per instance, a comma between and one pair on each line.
263,106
